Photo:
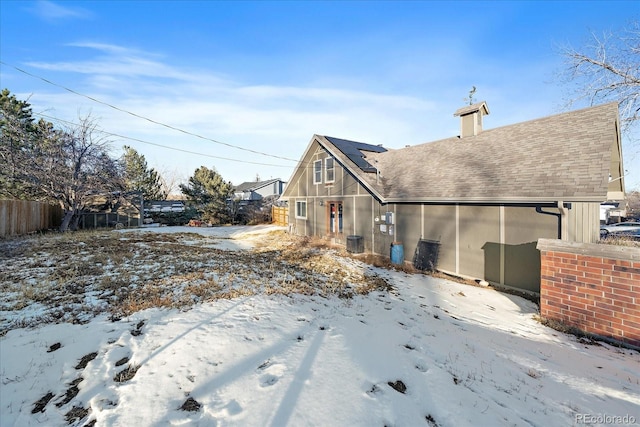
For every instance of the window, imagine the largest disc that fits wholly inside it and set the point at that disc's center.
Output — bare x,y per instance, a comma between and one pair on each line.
301,209
317,172
329,175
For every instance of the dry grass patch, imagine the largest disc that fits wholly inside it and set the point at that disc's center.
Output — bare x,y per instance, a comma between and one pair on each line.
74,276
620,241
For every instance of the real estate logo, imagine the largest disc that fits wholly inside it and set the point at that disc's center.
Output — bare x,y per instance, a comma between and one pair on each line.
605,419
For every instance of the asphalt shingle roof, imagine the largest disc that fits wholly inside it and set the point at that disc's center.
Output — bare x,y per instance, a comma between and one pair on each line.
561,157
254,185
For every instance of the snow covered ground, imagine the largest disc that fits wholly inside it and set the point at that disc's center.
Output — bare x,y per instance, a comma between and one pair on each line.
431,352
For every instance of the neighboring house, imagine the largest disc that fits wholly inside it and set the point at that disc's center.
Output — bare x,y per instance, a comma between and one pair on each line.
258,190
475,203
611,212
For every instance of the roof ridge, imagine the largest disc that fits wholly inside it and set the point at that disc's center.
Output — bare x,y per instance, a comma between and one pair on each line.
518,124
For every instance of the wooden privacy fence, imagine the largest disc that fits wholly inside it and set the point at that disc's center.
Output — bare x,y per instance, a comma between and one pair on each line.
23,216
280,215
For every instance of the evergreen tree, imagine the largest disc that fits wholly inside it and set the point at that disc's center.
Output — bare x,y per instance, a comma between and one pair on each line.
209,194
139,177
16,134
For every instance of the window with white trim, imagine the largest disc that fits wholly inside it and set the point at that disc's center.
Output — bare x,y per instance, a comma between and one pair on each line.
301,209
329,170
317,172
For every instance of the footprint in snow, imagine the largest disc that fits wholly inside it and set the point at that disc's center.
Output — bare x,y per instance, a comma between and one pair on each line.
84,361
398,386
374,390
71,392
420,366
77,413
138,330
54,347
41,404
272,373
191,405
122,361
268,380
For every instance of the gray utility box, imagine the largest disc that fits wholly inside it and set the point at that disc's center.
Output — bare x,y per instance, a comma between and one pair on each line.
355,244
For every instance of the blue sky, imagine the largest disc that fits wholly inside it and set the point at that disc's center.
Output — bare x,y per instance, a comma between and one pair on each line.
255,80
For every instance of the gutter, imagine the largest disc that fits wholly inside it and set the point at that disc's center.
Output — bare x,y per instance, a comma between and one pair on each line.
492,200
561,215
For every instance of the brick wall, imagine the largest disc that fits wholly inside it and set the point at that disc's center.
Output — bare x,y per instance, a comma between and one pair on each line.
592,287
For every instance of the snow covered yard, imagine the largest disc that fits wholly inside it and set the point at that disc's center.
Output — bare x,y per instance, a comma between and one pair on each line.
245,326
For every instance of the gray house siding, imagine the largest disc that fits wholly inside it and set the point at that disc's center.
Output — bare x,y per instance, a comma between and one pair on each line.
494,243
583,222
544,178
439,225
520,265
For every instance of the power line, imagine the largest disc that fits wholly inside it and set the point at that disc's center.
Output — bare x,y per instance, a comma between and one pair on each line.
299,161
163,146
306,165
143,117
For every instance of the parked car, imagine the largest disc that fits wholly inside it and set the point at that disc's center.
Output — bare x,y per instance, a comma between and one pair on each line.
177,207
628,228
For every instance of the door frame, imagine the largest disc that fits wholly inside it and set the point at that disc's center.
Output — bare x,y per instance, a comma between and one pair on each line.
338,220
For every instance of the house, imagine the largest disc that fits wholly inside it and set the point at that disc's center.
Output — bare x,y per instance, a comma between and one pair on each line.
258,190
472,205
612,212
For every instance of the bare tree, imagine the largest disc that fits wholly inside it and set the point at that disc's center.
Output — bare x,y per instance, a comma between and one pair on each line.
65,166
170,182
74,167
90,169
607,69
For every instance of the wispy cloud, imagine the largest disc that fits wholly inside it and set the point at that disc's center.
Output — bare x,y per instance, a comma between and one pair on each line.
278,119
53,12
113,61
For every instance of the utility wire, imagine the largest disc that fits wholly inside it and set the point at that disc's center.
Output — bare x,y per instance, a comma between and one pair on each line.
143,117
163,146
305,165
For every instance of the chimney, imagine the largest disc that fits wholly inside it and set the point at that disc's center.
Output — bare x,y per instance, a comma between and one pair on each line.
471,118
